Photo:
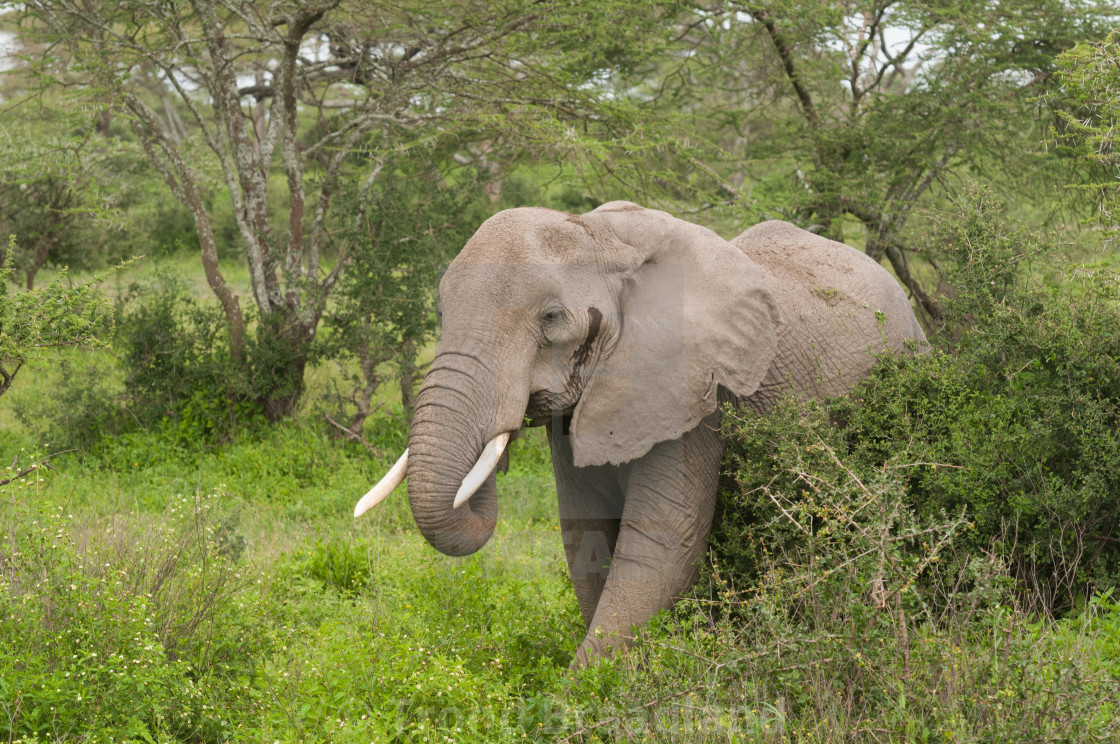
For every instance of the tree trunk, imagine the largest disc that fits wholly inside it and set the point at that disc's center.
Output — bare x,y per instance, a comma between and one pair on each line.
281,360
7,378
165,155
367,388
104,121
38,258
279,402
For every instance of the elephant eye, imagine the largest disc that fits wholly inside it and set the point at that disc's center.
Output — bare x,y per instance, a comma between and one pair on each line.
551,318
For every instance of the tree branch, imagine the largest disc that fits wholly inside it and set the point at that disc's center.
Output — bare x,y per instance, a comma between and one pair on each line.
894,63
7,378
43,462
785,53
880,242
927,304
871,30
352,435
149,127
724,186
252,217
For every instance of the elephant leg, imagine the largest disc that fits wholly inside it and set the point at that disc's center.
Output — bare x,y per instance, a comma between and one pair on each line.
669,503
590,502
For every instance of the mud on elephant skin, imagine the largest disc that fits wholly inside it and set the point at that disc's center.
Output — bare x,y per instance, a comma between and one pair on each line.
620,331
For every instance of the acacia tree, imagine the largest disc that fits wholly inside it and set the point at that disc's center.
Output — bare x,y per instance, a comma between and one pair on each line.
829,112
59,182
402,228
281,95
42,212
1090,78
54,317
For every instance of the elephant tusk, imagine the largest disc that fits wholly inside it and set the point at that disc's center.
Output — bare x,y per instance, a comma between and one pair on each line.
482,469
384,487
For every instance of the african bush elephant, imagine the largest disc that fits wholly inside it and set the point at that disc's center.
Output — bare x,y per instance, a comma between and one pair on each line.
621,330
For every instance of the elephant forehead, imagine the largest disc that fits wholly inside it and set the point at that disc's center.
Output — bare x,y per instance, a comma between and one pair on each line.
533,235
504,284
501,282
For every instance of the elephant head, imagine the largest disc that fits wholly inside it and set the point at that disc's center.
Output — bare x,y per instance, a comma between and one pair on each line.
620,324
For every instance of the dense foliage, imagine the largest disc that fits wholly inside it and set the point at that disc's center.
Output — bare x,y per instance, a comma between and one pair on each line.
879,569
403,228
1012,428
848,118
1091,85
333,88
54,317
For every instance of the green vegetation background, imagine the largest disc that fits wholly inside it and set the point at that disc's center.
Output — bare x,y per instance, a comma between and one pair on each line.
866,580
934,559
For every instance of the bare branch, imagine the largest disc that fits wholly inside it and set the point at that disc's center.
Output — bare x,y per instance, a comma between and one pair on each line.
785,53
895,63
352,435
724,186
182,182
42,462
867,38
7,378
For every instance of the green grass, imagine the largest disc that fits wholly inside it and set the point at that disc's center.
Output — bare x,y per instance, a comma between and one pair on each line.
358,621
325,597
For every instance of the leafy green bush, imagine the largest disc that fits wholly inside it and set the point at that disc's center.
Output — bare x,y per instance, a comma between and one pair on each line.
402,227
1016,425
172,374
872,625
178,371
337,563
81,408
136,629
54,317
177,377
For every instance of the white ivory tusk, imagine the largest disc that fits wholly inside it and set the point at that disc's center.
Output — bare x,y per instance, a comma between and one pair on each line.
482,469
384,487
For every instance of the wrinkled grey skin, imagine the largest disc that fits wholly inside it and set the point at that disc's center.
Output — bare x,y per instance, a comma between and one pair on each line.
621,330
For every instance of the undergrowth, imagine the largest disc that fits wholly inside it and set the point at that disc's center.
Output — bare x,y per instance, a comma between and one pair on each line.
873,626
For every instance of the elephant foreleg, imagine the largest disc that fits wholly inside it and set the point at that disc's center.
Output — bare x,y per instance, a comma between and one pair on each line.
590,501
667,515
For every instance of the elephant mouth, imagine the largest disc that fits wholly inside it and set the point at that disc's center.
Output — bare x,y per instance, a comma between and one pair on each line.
546,404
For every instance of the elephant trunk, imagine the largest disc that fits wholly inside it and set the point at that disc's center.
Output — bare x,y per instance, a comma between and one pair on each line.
450,428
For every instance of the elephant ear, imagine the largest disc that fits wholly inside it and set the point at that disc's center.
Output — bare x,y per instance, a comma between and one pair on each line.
695,314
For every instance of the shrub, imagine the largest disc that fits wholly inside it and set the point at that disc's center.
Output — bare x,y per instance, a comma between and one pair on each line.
337,563
178,372
81,408
401,230
58,316
178,376
873,625
1016,425
126,630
